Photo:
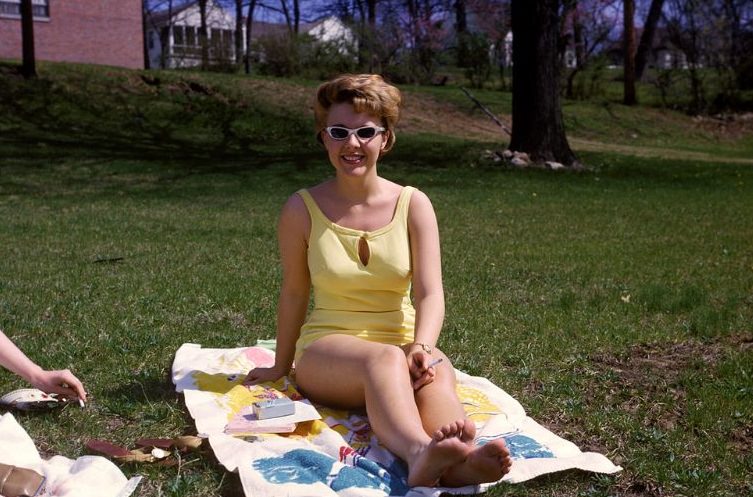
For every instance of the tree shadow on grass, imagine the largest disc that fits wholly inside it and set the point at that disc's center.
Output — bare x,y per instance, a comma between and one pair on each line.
185,120
32,147
66,167
145,390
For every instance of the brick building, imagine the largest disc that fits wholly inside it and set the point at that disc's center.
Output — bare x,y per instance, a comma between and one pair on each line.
108,32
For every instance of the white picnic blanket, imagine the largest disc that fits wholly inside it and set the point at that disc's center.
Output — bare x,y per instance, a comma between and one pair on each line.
339,455
87,476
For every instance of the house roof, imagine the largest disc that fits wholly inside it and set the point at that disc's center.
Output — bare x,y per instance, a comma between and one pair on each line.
263,29
162,16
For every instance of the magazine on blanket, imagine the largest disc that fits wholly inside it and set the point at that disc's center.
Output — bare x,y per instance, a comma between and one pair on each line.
246,422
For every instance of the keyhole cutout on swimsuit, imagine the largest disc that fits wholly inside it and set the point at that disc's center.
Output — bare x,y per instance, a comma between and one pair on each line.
363,251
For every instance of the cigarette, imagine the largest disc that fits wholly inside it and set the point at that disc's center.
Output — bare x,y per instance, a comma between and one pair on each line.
434,362
81,403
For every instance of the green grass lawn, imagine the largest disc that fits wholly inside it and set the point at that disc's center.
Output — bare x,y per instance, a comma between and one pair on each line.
615,304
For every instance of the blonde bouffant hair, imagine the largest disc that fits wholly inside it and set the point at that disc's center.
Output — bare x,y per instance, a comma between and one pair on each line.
368,93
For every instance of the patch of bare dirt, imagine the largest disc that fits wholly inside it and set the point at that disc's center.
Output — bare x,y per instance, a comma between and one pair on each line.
426,114
114,424
645,382
292,97
647,379
726,126
45,450
652,366
742,440
632,487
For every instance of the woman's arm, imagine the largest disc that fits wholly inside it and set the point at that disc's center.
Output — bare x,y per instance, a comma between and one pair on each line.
62,382
428,293
292,235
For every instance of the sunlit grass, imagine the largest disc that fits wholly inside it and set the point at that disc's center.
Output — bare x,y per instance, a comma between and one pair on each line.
567,290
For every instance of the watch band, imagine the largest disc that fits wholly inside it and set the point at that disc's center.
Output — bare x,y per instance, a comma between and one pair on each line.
425,346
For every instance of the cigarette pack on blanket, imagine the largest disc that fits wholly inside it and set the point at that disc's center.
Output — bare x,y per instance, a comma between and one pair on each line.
274,408
246,421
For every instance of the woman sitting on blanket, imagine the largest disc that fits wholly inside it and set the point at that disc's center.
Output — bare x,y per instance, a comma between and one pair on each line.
363,242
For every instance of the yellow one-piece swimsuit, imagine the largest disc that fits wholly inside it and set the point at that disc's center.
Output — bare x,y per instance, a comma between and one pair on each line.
370,301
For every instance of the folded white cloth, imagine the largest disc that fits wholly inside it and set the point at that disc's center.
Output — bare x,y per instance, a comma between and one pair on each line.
87,476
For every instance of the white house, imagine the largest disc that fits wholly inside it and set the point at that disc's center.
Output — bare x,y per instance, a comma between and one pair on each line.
173,38
331,30
570,59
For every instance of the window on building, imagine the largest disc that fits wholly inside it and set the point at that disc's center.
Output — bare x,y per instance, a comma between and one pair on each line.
222,44
12,8
191,38
178,35
186,41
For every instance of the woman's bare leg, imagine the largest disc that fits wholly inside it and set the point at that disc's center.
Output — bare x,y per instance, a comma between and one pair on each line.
348,372
438,403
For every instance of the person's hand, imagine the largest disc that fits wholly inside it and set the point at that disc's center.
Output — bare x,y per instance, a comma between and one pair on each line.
418,365
261,375
61,382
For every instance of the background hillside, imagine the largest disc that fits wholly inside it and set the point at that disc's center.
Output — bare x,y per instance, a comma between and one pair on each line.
193,115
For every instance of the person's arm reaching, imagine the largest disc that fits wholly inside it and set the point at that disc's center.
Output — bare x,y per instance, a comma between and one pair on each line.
61,382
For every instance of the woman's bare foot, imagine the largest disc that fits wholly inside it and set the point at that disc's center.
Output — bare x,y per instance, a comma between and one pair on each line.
485,463
448,447
468,431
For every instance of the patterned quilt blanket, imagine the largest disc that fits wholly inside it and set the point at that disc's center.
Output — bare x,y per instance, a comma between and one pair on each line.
339,455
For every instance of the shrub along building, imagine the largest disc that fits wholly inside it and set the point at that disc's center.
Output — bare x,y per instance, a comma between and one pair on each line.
108,32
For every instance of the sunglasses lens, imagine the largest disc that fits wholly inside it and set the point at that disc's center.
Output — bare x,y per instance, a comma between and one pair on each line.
366,133
338,133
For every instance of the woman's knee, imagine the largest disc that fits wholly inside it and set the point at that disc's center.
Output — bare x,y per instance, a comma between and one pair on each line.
388,358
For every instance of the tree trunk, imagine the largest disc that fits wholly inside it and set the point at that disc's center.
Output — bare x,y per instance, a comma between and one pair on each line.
296,16
413,17
145,32
537,126
647,37
628,34
286,13
371,12
249,25
371,8
238,32
461,32
29,64
203,38
165,37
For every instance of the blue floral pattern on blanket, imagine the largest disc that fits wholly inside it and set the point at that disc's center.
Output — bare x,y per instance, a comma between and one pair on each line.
307,466
521,446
